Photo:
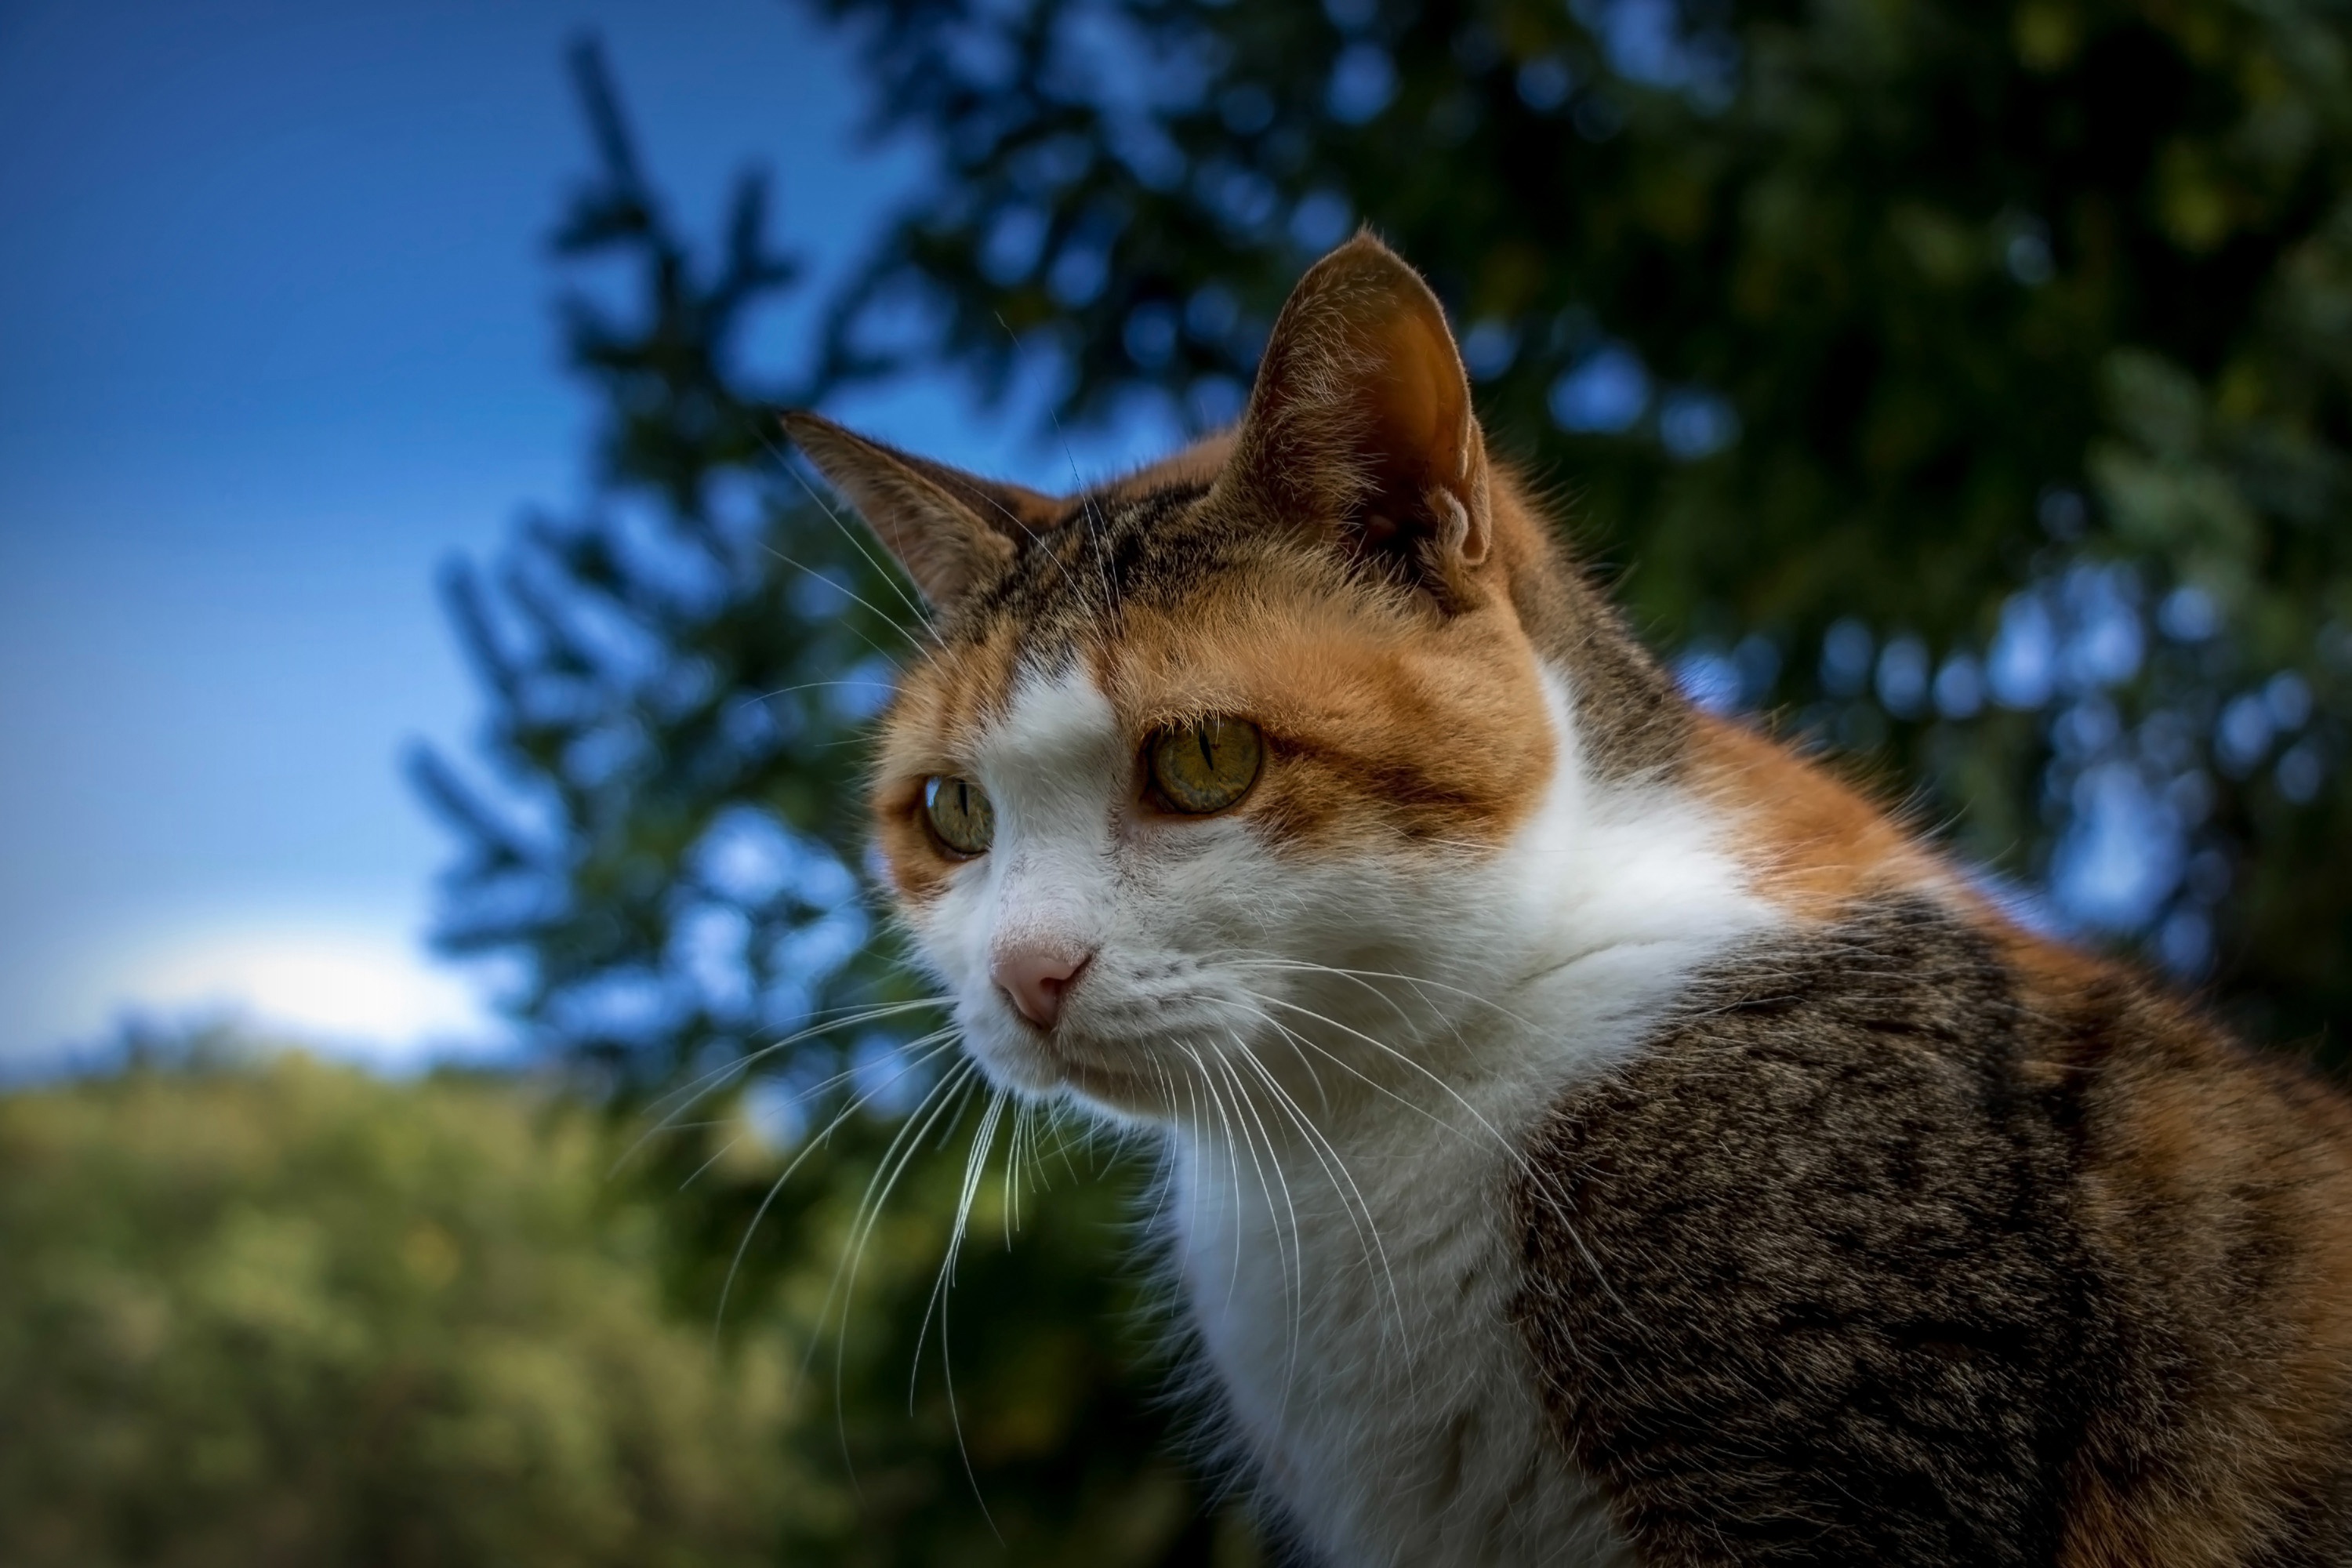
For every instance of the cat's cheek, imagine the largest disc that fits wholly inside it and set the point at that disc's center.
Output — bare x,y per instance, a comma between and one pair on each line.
918,873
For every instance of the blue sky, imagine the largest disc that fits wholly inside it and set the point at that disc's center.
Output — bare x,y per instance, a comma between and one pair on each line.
275,303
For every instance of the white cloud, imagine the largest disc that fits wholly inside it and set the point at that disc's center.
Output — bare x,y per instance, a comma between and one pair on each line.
365,993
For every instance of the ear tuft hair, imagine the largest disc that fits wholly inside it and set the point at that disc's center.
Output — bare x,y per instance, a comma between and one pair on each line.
951,531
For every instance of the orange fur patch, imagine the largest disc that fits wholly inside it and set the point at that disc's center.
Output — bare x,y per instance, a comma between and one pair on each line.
1813,844
1385,724
932,726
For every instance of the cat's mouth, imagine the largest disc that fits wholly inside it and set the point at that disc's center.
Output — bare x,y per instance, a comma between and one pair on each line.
1041,1062
1133,1094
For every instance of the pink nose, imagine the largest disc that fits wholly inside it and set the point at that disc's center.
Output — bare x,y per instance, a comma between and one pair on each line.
1036,977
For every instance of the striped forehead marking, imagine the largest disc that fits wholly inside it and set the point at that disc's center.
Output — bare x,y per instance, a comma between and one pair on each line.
1109,548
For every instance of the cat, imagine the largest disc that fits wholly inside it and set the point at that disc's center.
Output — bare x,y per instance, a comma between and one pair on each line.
1593,1133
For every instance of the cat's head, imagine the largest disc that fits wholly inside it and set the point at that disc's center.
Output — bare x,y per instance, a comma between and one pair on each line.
1215,773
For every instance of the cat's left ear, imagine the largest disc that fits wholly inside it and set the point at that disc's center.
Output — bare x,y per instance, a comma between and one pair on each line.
950,530
1361,425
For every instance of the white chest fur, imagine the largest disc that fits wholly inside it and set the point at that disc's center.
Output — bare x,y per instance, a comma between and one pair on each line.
1352,1287
1357,1325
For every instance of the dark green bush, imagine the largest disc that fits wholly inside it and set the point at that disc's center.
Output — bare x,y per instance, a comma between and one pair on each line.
286,1313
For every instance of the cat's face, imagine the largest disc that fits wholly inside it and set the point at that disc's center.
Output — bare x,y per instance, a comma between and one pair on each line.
1205,777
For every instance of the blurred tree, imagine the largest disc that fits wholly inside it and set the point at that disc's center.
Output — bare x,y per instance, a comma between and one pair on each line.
1973,383
679,676
285,1313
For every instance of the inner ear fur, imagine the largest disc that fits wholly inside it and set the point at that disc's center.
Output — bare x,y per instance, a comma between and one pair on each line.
950,530
1360,425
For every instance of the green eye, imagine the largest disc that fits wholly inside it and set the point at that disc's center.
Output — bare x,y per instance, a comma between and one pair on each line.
959,813
1205,767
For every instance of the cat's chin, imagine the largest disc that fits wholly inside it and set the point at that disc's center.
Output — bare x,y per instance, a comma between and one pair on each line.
1041,1068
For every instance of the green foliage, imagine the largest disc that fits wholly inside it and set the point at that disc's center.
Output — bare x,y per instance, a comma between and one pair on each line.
290,1314
258,1311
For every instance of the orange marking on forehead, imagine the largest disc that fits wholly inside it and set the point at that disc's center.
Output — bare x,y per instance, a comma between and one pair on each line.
1382,721
946,700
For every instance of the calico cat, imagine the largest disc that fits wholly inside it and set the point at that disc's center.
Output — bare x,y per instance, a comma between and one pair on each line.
1593,1133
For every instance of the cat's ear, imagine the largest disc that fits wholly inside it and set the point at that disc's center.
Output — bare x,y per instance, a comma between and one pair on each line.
1360,425
949,528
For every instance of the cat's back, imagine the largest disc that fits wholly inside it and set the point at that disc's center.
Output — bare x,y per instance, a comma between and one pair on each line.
1910,1238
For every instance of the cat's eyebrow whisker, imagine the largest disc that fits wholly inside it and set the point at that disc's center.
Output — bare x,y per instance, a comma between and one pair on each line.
927,642
819,686
1095,530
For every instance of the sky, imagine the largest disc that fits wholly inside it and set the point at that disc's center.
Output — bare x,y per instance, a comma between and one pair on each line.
276,306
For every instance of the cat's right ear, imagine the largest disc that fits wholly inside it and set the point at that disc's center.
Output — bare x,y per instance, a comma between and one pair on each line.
1360,425
950,530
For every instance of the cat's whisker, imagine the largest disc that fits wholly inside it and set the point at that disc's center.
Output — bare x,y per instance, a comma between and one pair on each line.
1217,1102
718,1155
682,1099
1196,1128
1342,1063
975,1160
1368,1235
983,1140
1417,982
1297,1281
1012,1172
944,1040
948,1093
1511,1151
1293,1267
670,1106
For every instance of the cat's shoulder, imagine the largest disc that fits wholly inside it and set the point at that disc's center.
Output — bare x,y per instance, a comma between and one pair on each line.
1827,1272
1813,1231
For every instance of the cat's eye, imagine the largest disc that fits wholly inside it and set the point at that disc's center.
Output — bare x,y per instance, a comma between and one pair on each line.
1206,766
959,813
